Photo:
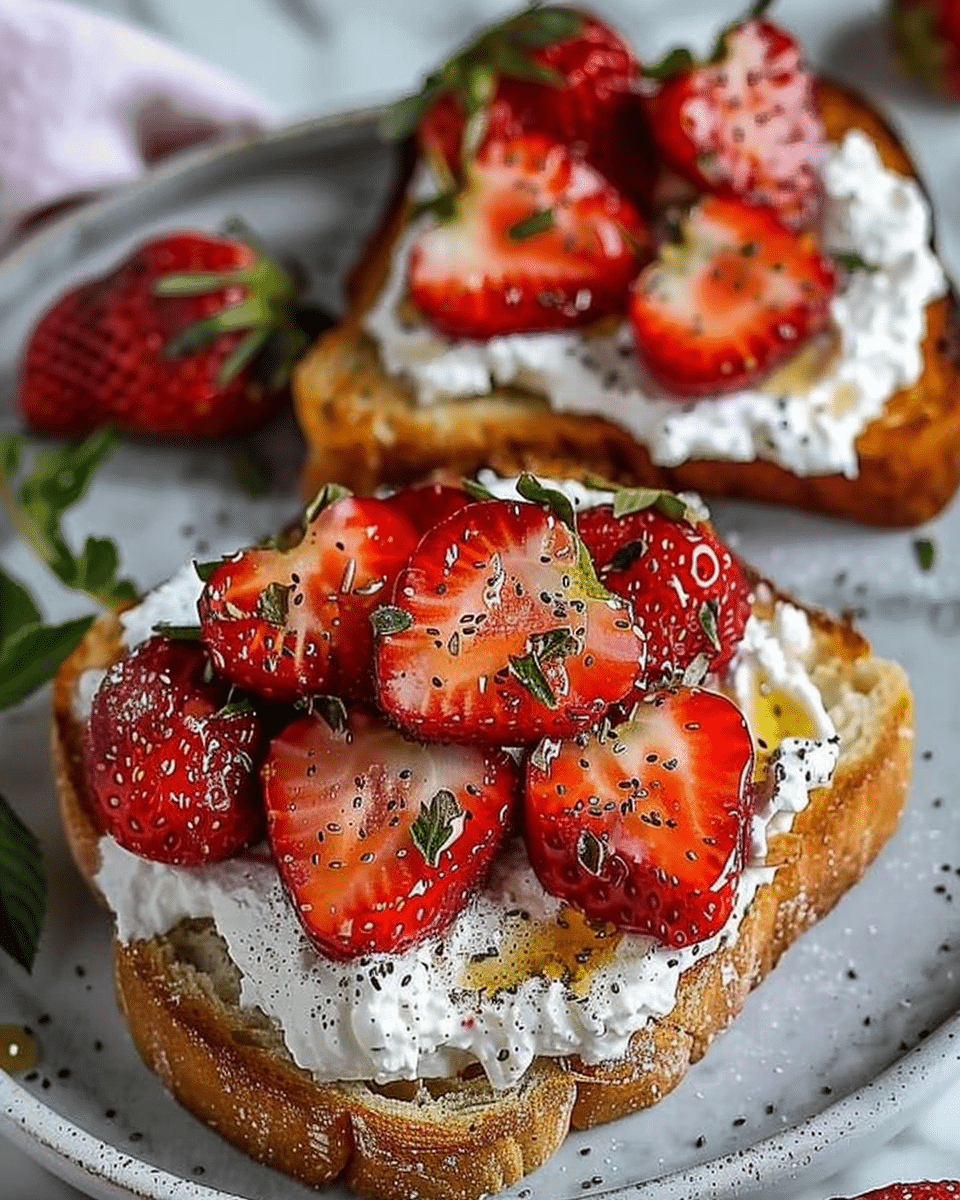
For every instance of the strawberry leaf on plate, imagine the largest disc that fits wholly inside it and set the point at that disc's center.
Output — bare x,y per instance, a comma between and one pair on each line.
23,888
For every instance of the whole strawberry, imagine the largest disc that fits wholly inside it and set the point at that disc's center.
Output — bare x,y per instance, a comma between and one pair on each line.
552,70
174,341
926,37
943,1189
171,764
745,121
690,597
381,841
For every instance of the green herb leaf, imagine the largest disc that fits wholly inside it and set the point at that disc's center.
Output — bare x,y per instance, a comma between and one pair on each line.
249,472
708,622
36,505
17,609
476,490
332,710
180,633
23,888
31,658
273,604
530,488
851,260
204,570
527,227
387,620
438,825
328,494
527,668
591,852
926,552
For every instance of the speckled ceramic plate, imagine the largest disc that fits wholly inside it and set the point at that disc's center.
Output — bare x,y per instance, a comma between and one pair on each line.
857,1025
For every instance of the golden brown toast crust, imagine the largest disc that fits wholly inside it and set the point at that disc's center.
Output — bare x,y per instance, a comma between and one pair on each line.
364,427
460,1139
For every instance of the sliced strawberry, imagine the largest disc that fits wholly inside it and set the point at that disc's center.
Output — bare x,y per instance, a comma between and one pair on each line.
379,841
734,297
500,632
646,826
426,504
552,70
745,122
290,624
690,596
172,767
537,240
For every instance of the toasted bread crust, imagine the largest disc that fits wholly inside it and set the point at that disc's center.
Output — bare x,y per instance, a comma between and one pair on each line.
459,1139
363,427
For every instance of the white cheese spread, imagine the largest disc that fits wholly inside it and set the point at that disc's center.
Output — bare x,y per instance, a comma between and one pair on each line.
879,319
425,1012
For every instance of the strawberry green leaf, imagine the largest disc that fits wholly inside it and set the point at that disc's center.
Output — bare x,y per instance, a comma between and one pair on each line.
23,888
438,825
30,657
678,61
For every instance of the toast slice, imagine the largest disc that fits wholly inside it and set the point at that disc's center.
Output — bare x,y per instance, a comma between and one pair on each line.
458,1138
365,427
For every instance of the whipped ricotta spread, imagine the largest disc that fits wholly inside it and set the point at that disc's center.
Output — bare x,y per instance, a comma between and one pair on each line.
878,316
441,1004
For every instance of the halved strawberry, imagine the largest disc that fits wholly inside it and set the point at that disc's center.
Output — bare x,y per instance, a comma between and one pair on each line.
379,841
293,623
735,296
690,596
500,632
553,70
745,122
646,826
172,766
536,240
426,504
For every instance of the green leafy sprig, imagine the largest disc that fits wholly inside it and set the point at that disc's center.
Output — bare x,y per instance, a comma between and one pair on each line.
35,496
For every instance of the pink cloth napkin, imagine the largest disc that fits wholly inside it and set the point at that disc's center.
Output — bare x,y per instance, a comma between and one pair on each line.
87,101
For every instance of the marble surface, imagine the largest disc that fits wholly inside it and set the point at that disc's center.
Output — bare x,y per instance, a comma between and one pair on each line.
312,56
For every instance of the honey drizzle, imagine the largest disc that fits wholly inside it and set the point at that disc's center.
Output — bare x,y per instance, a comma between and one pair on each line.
568,947
19,1049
